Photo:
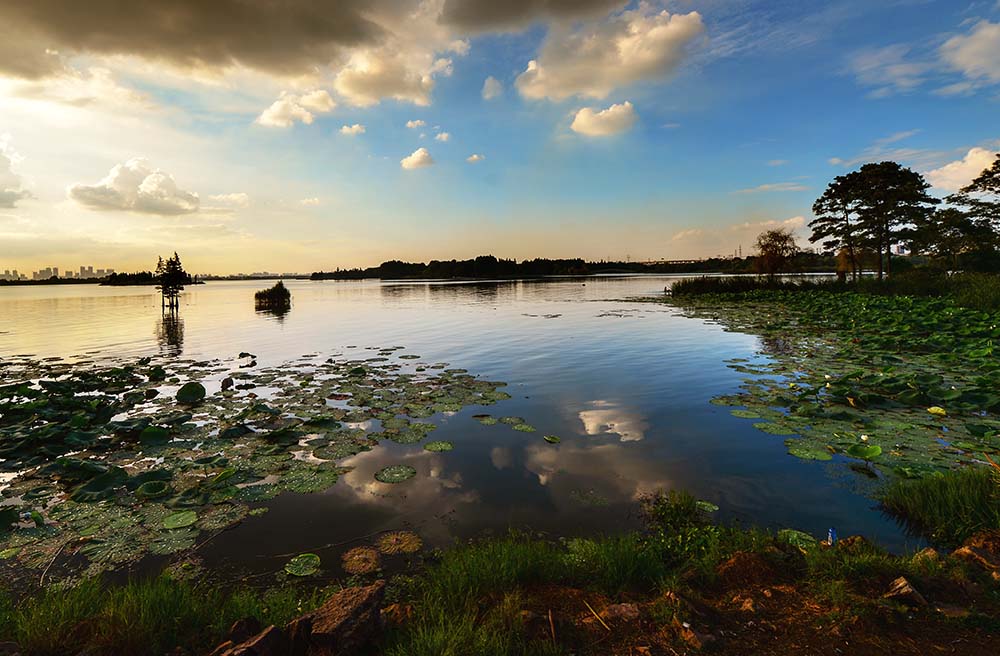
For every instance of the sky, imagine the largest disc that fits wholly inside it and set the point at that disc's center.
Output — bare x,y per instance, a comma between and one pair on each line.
251,135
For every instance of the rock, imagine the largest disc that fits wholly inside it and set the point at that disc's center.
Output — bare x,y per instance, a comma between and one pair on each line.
272,641
348,621
853,543
10,649
926,555
244,354
623,612
693,638
986,540
904,593
244,629
979,557
228,383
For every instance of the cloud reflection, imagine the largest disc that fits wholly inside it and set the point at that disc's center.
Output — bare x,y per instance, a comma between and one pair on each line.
610,417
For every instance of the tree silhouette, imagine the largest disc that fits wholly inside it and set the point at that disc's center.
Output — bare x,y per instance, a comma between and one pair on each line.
836,222
775,248
981,198
171,278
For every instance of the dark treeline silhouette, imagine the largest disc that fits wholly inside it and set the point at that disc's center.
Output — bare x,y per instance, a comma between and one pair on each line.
137,278
487,266
869,213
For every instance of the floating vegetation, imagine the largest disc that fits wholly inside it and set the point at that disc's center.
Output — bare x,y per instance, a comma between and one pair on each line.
399,542
361,560
907,385
439,446
305,564
486,420
104,465
524,428
552,439
395,474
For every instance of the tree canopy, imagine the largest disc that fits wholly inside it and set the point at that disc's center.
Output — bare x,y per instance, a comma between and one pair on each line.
775,248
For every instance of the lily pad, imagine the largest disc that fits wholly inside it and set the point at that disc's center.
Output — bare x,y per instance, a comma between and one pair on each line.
305,564
439,446
865,451
552,439
180,519
399,542
361,560
807,451
395,474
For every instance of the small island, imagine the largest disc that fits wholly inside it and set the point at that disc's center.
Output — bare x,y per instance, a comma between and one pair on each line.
273,299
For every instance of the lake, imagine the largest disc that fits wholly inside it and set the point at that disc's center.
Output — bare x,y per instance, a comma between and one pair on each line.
626,386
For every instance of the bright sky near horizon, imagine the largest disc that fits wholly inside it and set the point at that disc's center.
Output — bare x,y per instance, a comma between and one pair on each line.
296,136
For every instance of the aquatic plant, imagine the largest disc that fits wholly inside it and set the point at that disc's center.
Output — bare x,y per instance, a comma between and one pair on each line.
361,560
399,542
395,474
276,297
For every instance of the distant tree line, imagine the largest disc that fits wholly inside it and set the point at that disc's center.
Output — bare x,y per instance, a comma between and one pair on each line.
865,214
487,266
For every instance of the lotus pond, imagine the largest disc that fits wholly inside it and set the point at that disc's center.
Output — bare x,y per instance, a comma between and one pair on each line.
376,420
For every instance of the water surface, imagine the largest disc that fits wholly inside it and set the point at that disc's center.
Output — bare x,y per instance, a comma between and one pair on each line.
625,385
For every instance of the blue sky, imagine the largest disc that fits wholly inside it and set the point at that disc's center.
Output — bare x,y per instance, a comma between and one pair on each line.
684,130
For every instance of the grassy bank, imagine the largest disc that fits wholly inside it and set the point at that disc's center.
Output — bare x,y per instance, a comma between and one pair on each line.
979,291
679,583
152,616
947,509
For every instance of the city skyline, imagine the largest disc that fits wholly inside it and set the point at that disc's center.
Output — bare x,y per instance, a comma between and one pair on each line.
441,129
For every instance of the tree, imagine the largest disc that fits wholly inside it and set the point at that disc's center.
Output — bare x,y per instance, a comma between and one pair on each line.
950,232
774,250
976,197
171,278
836,219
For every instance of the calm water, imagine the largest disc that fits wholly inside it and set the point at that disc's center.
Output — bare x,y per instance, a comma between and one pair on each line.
626,386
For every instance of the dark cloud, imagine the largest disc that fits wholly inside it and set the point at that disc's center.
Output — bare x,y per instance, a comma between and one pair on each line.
279,36
506,14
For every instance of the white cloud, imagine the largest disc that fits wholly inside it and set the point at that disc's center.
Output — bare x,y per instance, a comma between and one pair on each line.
774,187
238,199
292,107
492,88
11,184
596,58
889,70
475,157
777,162
418,159
976,54
136,187
613,120
352,130
955,175
442,136
309,202
417,123
724,240
416,48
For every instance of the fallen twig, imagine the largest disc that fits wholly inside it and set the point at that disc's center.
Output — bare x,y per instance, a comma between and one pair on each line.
594,613
552,627
41,579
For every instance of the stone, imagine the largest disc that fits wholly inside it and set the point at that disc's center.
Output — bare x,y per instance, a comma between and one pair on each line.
623,612
244,629
693,638
228,383
272,641
979,557
10,649
953,612
903,592
348,621
926,555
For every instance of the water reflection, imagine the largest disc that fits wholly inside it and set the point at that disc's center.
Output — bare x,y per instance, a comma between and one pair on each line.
274,312
611,417
170,334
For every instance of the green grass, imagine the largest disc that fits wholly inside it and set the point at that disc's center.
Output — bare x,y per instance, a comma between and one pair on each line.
141,617
978,291
950,508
